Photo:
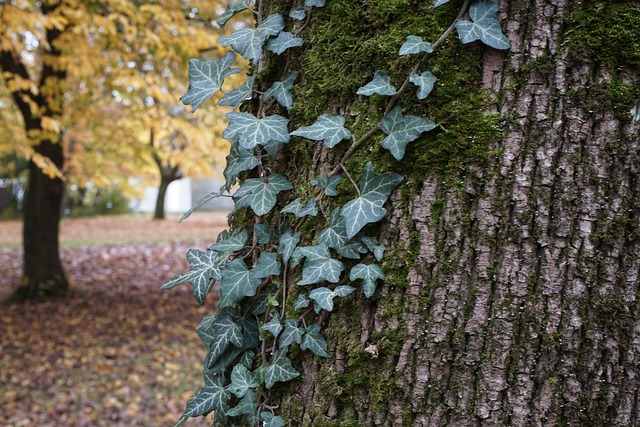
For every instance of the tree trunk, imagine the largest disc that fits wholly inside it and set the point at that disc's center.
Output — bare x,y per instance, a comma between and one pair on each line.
167,176
514,245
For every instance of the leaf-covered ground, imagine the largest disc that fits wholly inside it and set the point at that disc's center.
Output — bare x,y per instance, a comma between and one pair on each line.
120,352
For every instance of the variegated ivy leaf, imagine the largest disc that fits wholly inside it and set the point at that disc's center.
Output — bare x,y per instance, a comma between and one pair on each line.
288,242
335,236
239,94
280,369
301,302
239,160
375,189
204,268
263,233
201,202
314,3
270,420
329,183
323,298
247,359
327,128
369,275
273,326
267,265
248,405
299,210
372,244
237,282
484,26
280,90
380,84
233,9
413,45
440,3
343,290
298,14
319,266
261,195
253,131
221,330
402,130
292,332
425,82
284,41
221,354
312,340
243,380
212,397
205,79
248,41
230,241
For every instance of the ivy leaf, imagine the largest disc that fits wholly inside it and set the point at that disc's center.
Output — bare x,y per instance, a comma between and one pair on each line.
280,90
329,183
248,405
284,41
273,325
261,195
319,266
323,297
239,160
425,82
314,3
204,268
247,359
300,210
201,202
239,94
369,274
248,41
300,302
233,9
253,131
327,128
372,244
221,354
218,331
287,244
270,420
375,189
298,14
380,84
263,233
440,3
485,26
402,130
343,290
212,397
261,303
205,79
280,369
267,265
228,242
237,282
292,332
413,45
313,341
242,380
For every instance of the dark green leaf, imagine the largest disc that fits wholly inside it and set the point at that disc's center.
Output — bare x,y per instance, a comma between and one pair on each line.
292,332
312,340
280,369
260,195
212,397
401,130
440,3
205,199
329,183
239,160
288,243
273,326
205,79
413,45
369,275
228,242
239,94
280,90
248,405
248,41
242,380
485,26
314,3
373,246
425,82
380,85
253,131
237,282
319,266
284,41
343,290
323,297
327,128
300,302
298,14
300,210
204,268
263,233
267,265
270,420
231,11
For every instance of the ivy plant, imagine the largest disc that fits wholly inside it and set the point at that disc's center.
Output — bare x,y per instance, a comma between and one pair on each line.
257,322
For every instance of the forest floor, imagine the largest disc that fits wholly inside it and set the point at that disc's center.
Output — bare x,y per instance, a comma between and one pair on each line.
120,352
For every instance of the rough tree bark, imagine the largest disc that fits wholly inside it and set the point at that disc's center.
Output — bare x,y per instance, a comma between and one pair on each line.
513,274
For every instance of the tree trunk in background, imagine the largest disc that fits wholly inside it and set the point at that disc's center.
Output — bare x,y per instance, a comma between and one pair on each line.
512,282
167,176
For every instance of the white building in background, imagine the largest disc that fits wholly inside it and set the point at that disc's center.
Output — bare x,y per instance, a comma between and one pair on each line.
182,195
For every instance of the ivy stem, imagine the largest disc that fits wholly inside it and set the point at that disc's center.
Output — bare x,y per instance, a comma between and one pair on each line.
353,148
350,179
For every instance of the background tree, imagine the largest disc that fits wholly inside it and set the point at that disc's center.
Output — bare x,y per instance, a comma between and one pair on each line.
514,245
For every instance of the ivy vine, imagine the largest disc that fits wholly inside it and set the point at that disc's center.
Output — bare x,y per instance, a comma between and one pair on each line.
249,336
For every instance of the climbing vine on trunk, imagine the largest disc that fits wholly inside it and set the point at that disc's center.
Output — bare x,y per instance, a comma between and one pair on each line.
278,277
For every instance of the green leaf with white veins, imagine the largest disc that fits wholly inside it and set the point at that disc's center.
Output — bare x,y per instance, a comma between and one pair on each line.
312,340
440,3
253,131
375,189
230,241
323,297
280,90
280,369
425,82
369,275
485,26
287,244
270,420
237,282
212,397
319,266
298,14
402,130
301,302
242,380
343,290
292,332
231,11
239,94
329,183
248,41
273,326
201,202
284,41
239,160
204,268
327,128
261,195
267,265
380,84
413,45
220,330
263,232
248,405
372,244
314,3
206,78
299,210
